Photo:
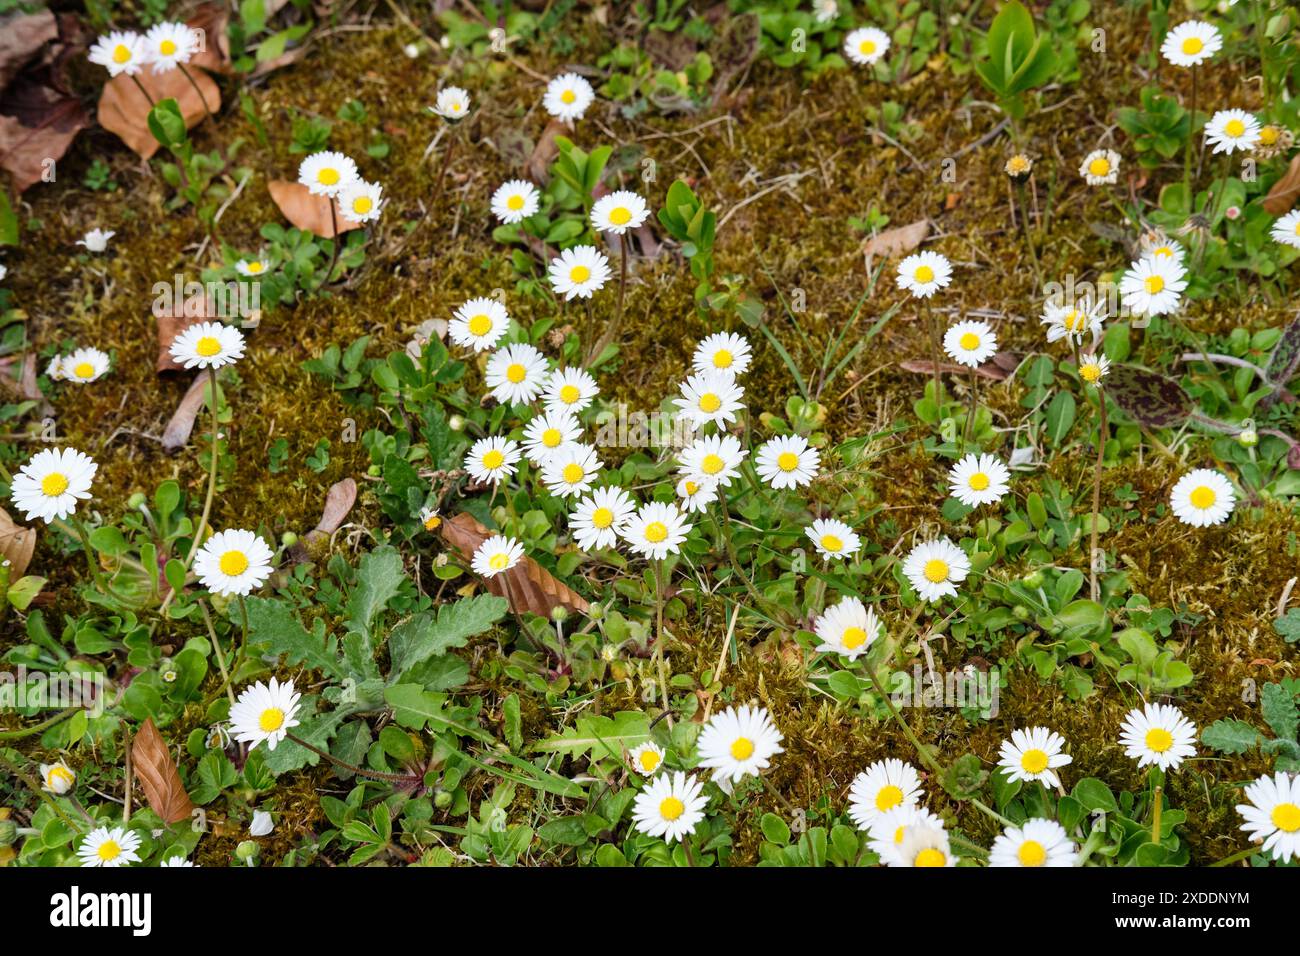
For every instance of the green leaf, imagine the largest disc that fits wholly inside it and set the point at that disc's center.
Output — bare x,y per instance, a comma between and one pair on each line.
379,575
1094,795
566,831
775,830
1288,626
1230,736
600,736
1279,709
513,722
274,623
417,639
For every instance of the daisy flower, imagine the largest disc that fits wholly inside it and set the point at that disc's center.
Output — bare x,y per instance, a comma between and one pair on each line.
578,272
1034,754
515,201
571,470
547,433
479,324
1273,141
96,240
120,52
1093,368
1152,286
935,568
167,45
57,777
670,806
787,461
251,267
848,628
924,844
1287,229
824,11
886,831
865,45
1100,167
361,201
1158,734
722,351
833,538
105,846
1036,842
595,521
1071,321
618,212
452,103
1018,166
714,458
978,480
571,389
1191,43
52,482
970,343
515,374
326,173
264,713
492,459
710,398
176,861
696,494
84,365
1202,497
655,530
233,562
738,742
924,273
1160,246
647,758
1273,814
208,345
498,553
55,369
885,785
1231,130
568,96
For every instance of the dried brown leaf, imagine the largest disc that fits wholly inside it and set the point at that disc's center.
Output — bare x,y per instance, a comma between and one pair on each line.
21,38
897,241
544,153
16,545
158,776
172,321
993,369
124,110
339,501
527,586
1283,195
308,212
177,433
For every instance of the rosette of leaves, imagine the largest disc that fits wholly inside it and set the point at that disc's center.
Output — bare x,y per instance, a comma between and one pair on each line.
1019,59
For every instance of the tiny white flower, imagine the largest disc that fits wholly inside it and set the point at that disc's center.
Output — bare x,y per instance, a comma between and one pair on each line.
1153,286
571,470
738,742
1231,130
923,273
1034,755
120,52
84,366
96,240
479,324
495,555
696,494
1093,368
547,433
1071,320
924,845
57,777
1202,498
1191,43
715,458
327,173
516,374
670,806
452,103
787,461
569,389
578,272
848,628
208,345
618,212
110,847
515,201
656,530
647,758
265,713
492,459
568,96
865,45
724,352
361,201
1272,814
979,479
52,482
167,45
233,562
833,538
710,398
596,520
1100,167
1287,229
970,343
884,786
251,268
887,830
1036,842
935,568
1158,734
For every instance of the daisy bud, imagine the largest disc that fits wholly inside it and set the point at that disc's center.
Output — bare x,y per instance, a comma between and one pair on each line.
559,614
1248,437
456,423
247,851
288,539
443,799
136,501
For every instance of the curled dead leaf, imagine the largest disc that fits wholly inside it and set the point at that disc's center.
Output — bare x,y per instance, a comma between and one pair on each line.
994,369
124,110
309,212
158,776
897,241
1285,191
338,505
544,153
16,545
196,306
527,586
177,433
212,19
21,38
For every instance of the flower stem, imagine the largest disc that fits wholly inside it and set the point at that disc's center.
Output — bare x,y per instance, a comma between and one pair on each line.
351,768
1093,586
91,562
934,357
658,662
140,86
780,798
202,99
1191,135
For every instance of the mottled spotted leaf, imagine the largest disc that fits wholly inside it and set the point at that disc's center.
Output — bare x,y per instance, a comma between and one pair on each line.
1282,364
1153,400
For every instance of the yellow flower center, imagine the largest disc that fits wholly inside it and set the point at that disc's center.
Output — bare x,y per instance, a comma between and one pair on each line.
1090,372
1159,739
108,850
515,202
691,488
552,437
233,563
59,776
710,402
1164,252
1234,128
255,266
923,274
54,484
712,464
207,346
432,522
1031,853
671,808
602,518
888,797
649,760
979,481
1099,166
480,325
1073,321
121,54
853,637
1269,135
655,532
573,473
899,834
84,370
1286,817
499,561
832,543
936,570
362,205
969,341
930,857
742,748
722,359
1033,761
272,719
620,216
516,373
570,394
867,47
1202,497
787,461
493,459
1154,284
1193,46
568,96
167,48
579,274
328,176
